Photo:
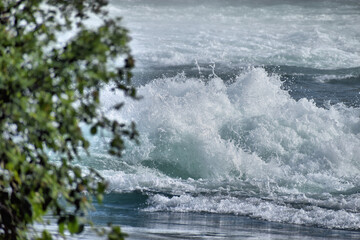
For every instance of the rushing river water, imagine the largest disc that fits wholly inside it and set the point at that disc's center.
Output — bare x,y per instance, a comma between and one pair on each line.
249,123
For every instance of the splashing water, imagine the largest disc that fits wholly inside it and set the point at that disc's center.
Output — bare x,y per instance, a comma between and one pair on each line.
243,147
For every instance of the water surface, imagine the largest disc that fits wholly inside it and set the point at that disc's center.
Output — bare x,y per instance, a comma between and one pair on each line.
249,121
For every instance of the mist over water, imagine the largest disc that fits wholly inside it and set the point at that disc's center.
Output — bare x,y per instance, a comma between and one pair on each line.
250,108
315,34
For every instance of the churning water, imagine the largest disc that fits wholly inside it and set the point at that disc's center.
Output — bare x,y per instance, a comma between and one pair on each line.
249,123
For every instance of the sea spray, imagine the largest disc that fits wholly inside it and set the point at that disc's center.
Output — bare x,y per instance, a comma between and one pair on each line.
243,147
209,126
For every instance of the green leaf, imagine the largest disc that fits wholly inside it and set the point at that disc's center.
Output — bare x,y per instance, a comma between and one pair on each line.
45,235
73,225
93,130
61,228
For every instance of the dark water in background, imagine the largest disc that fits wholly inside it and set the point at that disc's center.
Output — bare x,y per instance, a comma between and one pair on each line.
249,122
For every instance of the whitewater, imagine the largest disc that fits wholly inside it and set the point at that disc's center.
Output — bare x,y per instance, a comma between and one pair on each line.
249,121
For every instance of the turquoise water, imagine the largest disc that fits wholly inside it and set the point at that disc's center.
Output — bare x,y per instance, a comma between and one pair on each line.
249,121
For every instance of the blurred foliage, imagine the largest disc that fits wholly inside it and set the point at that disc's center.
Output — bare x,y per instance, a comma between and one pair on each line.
47,88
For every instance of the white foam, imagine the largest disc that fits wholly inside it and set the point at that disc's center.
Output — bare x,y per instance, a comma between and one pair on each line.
326,78
145,179
251,127
258,208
